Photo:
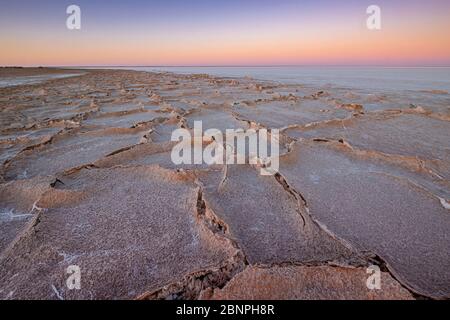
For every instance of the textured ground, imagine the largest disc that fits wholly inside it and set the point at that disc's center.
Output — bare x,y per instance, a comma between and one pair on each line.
86,179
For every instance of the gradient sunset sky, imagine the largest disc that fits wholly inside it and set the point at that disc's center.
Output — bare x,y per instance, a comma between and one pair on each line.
219,32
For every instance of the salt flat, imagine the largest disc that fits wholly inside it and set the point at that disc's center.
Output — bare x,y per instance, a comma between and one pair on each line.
87,179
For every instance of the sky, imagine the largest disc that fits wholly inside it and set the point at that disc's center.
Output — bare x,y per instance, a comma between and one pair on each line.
224,33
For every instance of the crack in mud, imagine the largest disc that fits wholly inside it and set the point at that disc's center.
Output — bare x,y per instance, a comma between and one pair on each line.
191,286
370,257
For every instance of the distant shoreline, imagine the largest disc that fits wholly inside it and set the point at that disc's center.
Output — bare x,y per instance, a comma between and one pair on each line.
12,72
226,66
368,79
17,76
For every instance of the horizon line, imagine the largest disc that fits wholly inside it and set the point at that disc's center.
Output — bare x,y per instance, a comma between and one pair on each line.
228,66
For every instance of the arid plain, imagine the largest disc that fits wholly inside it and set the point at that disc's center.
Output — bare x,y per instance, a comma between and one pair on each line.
87,180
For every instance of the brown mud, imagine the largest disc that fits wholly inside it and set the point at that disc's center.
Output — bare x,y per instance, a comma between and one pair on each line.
86,179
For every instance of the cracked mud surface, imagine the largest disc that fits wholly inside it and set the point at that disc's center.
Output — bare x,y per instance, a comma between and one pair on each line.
306,283
86,179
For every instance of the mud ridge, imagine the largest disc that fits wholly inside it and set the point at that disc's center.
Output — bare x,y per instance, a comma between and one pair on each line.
370,257
193,284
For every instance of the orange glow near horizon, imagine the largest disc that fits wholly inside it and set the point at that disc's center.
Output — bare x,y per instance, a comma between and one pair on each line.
329,39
